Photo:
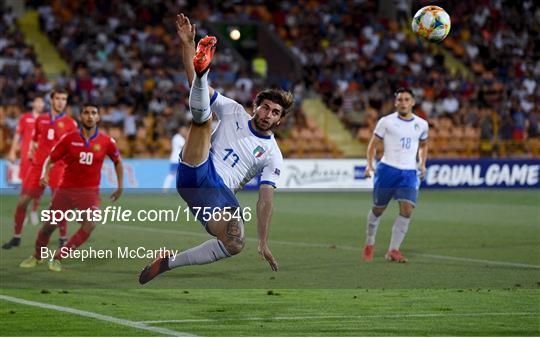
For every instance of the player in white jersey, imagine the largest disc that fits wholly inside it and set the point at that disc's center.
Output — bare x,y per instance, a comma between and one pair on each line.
177,143
403,137
213,166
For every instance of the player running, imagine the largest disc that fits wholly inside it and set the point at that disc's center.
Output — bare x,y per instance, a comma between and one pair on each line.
49,128
214,166
21,141
83,152
403,136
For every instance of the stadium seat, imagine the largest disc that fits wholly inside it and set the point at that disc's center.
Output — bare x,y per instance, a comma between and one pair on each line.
306,134
295,133
442,141
458,144
533,146
318,134
311,124
363,134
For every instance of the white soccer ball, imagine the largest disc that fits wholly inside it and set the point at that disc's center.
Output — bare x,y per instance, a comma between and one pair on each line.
431,23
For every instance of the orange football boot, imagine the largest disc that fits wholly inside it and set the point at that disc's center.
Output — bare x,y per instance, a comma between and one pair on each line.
395,256
368,253
158,266
204,54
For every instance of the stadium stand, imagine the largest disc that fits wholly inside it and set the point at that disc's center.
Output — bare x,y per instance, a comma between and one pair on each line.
355,60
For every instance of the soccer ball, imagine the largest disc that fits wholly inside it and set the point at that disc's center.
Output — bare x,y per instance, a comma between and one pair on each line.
431,23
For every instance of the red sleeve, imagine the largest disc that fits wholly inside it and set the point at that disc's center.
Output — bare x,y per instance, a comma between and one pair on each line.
36,131
74,124
20,126
59,150
112,151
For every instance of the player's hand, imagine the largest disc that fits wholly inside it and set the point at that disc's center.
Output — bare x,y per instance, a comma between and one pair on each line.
184,29
369,171
422,172
116,195
44,181
265,253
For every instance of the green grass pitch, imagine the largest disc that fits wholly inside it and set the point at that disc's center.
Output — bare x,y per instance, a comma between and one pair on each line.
474,269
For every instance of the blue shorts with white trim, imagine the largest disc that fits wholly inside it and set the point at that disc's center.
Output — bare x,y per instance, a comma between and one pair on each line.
202,187
391,182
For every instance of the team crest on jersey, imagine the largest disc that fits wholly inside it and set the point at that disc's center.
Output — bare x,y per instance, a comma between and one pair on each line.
416,126
258,152
61,124
97,147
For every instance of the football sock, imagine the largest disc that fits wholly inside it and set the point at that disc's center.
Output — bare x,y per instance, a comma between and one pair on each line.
399,229
62,228
371,229
199,99
41,241
210,251
168,180
20,214
74,242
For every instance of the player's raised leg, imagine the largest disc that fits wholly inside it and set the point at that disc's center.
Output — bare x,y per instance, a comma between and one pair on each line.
197,63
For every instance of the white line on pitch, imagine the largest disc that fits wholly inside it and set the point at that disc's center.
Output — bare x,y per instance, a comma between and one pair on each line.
404,315
326,246
88,314
481,261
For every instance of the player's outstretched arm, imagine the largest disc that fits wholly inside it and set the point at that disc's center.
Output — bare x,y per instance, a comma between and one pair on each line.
32,149
12,154
265,205
57,153
374,143
119,169
44,179
422,157
186,31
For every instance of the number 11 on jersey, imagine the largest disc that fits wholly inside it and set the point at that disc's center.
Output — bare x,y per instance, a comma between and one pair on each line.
230,152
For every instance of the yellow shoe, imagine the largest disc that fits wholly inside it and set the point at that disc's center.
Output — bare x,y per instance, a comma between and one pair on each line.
30,262
55,265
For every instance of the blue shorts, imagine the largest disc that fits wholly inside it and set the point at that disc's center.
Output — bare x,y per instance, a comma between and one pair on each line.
390,182
202,187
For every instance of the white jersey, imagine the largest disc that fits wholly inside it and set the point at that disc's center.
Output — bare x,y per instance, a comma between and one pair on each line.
401,139
239,152
177,144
